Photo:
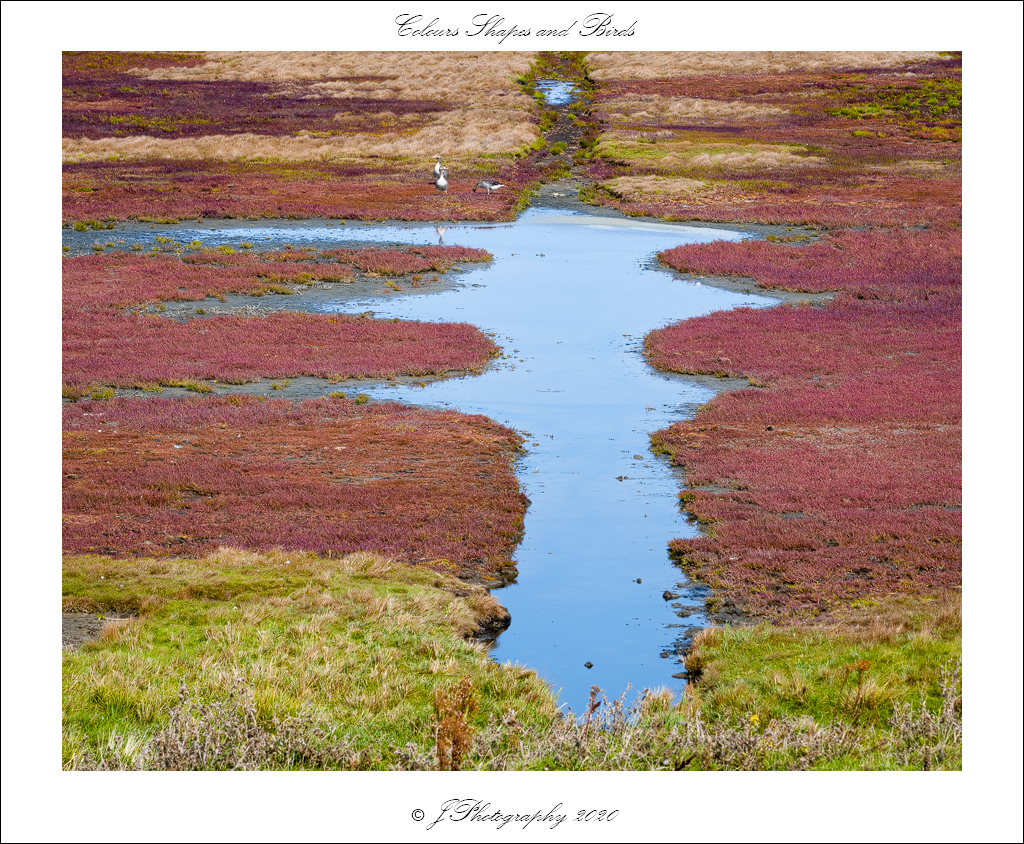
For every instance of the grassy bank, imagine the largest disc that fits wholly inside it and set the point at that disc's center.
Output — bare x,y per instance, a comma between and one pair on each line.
291,661
348,652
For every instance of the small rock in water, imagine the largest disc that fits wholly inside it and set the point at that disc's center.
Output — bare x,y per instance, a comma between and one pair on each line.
638,457
638,580
670,596
588,664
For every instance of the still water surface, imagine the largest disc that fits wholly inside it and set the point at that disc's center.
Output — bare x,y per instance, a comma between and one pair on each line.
570,297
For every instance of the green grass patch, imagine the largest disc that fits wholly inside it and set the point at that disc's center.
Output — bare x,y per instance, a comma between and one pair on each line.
285,660
356,645
855,673
933,99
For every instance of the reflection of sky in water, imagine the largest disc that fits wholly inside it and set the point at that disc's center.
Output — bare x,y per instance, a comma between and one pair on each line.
570,299
555,91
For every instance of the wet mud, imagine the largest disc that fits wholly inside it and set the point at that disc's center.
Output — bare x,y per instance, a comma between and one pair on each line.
77,628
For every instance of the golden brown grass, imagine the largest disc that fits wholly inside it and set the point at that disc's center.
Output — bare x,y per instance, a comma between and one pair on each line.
659,65
492,117
671,155
662,188
638,107
465,132
475,74
919,168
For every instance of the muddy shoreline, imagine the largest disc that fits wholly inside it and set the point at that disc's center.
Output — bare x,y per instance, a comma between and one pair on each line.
77,628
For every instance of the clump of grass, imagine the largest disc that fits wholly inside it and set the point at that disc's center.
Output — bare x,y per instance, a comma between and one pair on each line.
191,385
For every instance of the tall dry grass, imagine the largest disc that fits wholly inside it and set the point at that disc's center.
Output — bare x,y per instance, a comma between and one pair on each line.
665,109
492,115
659,65
660,188
469,73
465,132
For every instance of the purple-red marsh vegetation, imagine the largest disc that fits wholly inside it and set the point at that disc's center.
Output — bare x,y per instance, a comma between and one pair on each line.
836,476
156,190
898,264
172,136
138,351
122,279
839,478
102,99
867,146
183,477
105,346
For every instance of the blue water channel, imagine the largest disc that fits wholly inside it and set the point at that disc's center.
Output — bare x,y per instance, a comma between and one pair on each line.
556,92
569,297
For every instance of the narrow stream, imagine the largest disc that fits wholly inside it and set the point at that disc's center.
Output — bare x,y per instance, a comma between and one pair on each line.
569,297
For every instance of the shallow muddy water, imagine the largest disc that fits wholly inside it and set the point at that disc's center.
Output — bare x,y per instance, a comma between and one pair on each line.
556,91
569,298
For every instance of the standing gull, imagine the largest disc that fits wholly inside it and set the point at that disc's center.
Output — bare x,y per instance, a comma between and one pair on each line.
442,180
488,185
437,168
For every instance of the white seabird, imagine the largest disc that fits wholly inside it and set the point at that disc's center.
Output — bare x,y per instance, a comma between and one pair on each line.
442,182
437,168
